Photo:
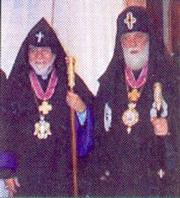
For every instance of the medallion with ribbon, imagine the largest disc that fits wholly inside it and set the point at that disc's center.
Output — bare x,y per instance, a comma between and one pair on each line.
131,116
42,128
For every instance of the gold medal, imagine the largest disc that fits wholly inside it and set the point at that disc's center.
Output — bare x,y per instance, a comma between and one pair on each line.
42,128
130,117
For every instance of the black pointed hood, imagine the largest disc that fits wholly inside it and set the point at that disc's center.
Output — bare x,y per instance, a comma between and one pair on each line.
41,35
157,49
133,19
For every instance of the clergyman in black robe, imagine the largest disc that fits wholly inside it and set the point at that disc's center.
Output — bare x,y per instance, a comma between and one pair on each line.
7,161
40,132
3,83
134,127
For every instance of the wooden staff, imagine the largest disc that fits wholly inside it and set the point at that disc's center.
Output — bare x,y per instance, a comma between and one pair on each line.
71,84
160,143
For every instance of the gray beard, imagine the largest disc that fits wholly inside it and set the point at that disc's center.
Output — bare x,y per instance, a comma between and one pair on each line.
138,60
45,75
45,71
42,72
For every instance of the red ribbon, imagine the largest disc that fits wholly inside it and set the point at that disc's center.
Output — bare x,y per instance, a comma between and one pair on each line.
37,86
132,82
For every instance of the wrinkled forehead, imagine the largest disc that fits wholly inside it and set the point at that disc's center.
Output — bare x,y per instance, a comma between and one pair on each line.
134,39
33,48
134,35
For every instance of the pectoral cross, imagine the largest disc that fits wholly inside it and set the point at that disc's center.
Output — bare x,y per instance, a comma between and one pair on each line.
134,95
161,173
39,36
130,20
45,107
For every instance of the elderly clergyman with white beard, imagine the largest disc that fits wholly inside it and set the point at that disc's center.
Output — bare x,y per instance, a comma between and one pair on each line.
39,134
135,114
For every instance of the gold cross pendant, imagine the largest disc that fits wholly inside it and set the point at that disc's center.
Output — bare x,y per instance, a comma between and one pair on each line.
134,95
45,108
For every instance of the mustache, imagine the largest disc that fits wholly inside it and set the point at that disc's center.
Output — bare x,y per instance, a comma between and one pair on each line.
136,57
133,50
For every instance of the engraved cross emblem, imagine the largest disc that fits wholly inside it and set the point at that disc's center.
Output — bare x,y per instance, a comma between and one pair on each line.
161,173
130,20
39,36
45,108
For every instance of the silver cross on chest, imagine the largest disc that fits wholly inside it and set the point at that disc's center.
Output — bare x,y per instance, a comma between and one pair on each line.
39,36
130,20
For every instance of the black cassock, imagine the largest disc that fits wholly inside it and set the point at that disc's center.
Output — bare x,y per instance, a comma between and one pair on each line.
128,164
45,165
7,161
3,83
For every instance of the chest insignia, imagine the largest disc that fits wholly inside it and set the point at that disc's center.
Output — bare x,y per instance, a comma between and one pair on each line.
42,128
107,117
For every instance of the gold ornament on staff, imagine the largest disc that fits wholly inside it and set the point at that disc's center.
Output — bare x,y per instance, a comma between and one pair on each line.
158,98
71,62
71,66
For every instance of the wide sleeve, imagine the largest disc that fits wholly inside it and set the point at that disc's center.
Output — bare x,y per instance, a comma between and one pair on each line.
84,133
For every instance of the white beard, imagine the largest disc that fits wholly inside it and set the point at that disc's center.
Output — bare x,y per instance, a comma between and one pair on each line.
43,71
136,60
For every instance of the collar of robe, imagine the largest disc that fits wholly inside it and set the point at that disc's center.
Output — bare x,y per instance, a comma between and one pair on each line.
131,80
36,86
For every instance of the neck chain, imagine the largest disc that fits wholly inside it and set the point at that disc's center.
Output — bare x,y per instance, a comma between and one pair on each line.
37,86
